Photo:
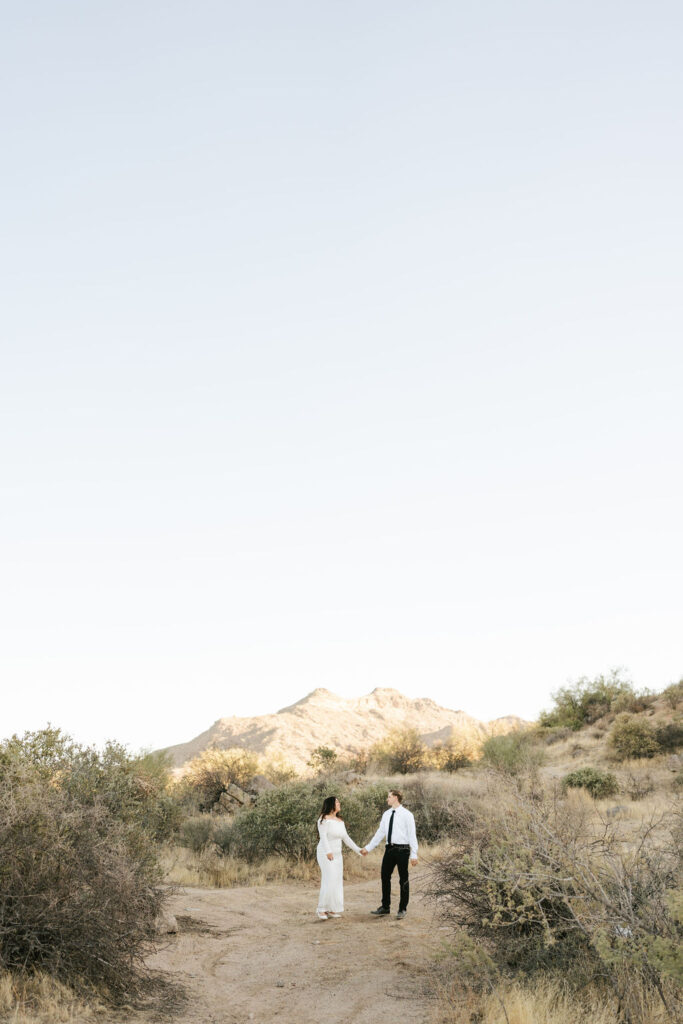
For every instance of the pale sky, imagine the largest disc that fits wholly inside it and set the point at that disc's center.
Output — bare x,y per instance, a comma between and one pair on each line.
342,347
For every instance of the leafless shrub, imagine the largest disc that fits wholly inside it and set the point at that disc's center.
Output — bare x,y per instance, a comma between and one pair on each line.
547,887
78,887
639,784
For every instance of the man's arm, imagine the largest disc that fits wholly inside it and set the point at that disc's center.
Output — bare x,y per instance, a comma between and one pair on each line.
379,834
413,837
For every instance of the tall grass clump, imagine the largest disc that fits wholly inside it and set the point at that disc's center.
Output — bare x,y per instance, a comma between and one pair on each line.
79,876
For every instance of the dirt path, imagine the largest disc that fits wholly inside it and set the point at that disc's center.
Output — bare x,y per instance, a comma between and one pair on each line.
261,955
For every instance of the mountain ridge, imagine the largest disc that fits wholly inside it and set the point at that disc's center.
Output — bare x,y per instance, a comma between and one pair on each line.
347,724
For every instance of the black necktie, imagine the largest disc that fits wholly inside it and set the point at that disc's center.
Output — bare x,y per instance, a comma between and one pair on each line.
391,826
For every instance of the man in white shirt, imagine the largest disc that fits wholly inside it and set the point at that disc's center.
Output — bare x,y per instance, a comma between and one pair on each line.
397,827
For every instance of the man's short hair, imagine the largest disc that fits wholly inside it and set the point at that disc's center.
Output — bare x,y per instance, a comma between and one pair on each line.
399,796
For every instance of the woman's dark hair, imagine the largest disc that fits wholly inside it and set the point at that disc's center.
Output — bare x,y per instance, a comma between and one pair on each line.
329,804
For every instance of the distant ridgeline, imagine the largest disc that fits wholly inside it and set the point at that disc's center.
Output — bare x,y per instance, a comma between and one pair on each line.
345,724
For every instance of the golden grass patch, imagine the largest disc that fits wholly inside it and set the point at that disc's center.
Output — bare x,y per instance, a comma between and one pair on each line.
545,1002
39,999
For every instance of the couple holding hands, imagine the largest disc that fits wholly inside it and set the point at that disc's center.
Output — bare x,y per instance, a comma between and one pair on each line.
397,827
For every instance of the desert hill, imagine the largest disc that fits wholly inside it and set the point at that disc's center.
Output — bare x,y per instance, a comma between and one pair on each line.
345,724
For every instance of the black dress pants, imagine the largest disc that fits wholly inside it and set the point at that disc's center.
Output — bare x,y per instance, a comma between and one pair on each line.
395,858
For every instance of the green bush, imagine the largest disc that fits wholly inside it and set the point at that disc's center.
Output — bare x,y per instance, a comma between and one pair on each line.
598,784
323,760
135,788
197,832
632,737
588,700
512,753
79,876
284,820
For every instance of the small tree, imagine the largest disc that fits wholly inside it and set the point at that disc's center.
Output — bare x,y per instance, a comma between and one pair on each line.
211,772
402,752
323,760
452,755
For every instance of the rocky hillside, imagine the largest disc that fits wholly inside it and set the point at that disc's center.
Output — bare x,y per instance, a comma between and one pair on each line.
345,724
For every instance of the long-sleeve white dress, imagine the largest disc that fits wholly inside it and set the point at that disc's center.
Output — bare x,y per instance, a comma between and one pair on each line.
332,832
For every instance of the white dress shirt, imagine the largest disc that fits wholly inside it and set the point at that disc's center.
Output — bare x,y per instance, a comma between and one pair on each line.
402,833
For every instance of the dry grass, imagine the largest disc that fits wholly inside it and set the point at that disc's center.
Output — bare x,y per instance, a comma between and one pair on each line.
39,999
210,870
545,1002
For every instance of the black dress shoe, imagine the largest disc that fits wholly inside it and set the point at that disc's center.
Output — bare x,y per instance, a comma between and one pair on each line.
380,911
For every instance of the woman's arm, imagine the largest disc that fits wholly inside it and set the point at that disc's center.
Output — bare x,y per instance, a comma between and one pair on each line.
324,842
349,841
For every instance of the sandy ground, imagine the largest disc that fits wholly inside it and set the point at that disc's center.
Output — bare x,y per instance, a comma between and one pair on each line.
261,955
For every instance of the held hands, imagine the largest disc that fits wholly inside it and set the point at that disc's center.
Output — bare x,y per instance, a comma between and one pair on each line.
330,856
363,852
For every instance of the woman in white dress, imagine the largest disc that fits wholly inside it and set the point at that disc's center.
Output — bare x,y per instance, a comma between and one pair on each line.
332,832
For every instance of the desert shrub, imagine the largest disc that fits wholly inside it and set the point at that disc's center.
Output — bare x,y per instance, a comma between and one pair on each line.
283,821
197,832
323,760
223,834
670,736
358,761
135,788
436,813
588,700
632,737
452,755
401,752
673,694
598,784
209,774
544,892
639,784
79,877
512,753
677,782
552,734
277,770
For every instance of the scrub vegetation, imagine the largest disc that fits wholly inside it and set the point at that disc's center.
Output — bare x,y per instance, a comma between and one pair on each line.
554,857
